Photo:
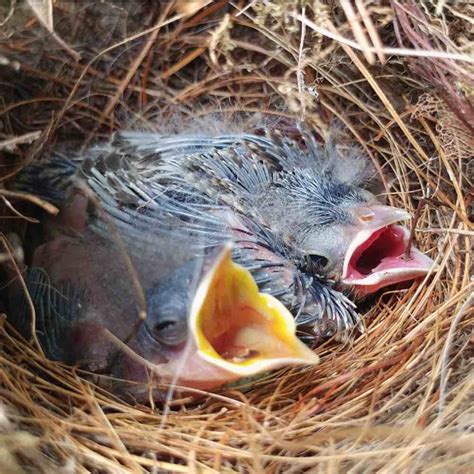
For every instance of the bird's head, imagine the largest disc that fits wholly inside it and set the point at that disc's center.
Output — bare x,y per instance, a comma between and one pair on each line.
368,251
222,331
340,230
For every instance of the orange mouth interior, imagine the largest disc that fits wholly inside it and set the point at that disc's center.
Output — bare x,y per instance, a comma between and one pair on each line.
242,328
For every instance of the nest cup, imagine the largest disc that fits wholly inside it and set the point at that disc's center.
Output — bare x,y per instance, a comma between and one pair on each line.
398,80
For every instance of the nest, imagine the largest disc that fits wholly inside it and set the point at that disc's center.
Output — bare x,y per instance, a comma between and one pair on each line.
398,78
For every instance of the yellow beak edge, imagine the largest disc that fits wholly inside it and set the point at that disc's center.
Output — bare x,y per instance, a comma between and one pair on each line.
239,329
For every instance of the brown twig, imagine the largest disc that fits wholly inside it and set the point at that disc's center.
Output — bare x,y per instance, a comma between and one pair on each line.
46,206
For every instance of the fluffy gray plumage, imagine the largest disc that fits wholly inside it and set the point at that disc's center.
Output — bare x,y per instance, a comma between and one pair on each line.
284,202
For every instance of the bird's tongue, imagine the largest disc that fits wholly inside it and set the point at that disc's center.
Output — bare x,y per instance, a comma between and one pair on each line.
379,258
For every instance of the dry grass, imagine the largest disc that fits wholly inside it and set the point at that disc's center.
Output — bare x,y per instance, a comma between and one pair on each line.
400,80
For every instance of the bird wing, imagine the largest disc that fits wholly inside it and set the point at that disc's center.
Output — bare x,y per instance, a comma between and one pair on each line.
56,310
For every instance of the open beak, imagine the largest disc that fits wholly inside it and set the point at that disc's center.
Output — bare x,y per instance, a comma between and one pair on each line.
233,332
238,330
376,256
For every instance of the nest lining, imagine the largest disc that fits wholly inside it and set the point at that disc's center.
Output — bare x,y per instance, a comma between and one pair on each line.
396,398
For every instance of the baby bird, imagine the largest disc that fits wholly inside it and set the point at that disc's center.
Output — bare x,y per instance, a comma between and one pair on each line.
149,318
301,218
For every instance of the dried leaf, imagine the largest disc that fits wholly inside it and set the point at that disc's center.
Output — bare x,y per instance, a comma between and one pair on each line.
43,10
190,7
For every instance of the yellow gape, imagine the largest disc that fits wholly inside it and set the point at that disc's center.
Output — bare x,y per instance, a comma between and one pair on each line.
239,329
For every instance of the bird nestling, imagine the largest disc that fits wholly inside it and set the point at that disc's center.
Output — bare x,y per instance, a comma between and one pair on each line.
204,323
301,219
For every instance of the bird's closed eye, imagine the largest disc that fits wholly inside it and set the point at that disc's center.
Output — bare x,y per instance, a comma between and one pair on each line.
163,326
169,332
314,263
318,261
